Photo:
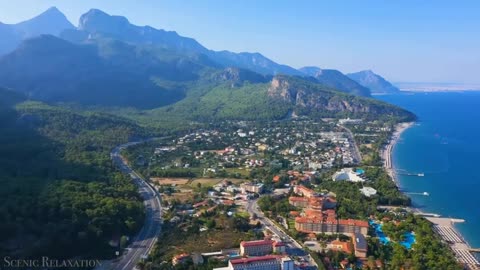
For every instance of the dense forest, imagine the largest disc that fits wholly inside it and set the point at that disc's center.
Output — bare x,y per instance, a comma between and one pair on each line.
60,195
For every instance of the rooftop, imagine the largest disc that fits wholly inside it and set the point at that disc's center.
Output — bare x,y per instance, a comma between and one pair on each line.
360,242
256,243
254,259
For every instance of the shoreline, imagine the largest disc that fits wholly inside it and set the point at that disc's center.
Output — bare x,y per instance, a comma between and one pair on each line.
386,154
444,227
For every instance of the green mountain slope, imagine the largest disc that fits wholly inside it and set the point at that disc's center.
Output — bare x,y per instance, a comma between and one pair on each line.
278,98
101,73
60,195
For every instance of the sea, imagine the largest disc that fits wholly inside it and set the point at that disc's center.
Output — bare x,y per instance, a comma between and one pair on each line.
444,144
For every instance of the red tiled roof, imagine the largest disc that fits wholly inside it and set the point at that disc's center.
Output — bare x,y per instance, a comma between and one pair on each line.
278,244
200,204
256,243
228,202
254,259
294,213
353,222
330,212
313,213
344,246
313,219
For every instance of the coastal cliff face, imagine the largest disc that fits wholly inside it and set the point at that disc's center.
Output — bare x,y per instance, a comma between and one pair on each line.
308,98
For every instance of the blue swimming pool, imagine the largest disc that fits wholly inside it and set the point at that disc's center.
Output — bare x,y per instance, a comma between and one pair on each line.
379,233
409,237
360,171
409,240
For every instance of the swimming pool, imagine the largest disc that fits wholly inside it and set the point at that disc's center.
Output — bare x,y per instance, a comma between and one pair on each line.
407,243
360,171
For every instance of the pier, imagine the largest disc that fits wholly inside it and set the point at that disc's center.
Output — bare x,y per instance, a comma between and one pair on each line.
404,172
418,193
428,215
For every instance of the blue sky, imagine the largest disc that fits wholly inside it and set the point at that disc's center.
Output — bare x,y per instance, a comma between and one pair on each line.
414,41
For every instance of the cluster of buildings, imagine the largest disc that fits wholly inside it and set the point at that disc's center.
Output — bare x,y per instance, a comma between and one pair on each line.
254,255
319,215
358,243
306,145
269,262
259,255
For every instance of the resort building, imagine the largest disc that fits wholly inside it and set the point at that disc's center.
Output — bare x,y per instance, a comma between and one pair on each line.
311,199
278,247
256,248
330,225
368,191
360,245
319,215
251,187
261,247
347,174
271,262
300,202
352,226
304,191
337,245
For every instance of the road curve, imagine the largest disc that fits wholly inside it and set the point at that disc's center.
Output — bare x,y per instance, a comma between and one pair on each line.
143,242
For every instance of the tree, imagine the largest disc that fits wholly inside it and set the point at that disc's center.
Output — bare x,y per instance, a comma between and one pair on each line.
123,241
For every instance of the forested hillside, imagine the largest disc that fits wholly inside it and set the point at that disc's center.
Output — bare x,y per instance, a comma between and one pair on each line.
60,194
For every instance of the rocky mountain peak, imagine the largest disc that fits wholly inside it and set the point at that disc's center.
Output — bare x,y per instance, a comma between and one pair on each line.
96,20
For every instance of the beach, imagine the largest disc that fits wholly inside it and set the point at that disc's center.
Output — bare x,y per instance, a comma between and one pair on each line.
444,227
387,152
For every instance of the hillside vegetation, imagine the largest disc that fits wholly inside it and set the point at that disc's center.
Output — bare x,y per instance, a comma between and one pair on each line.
60,194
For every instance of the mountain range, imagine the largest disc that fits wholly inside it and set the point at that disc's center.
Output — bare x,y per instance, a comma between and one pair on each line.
376,83
51,22
106,61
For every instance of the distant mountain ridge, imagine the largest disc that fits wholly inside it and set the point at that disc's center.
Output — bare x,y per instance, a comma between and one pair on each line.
376,83
96,23
109,63
52,22
336,79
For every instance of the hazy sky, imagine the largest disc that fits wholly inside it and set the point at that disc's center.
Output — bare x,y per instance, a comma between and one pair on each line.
423,41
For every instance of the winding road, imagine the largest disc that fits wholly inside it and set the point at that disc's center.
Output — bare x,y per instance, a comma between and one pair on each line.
143,242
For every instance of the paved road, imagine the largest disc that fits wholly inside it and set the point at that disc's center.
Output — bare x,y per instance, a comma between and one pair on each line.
142,243
357,156
293,247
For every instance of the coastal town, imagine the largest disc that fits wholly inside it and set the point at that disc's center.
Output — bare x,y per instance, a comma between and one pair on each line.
279,189
261,135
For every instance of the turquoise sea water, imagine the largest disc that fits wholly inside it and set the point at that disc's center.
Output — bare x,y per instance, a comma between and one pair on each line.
445,145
